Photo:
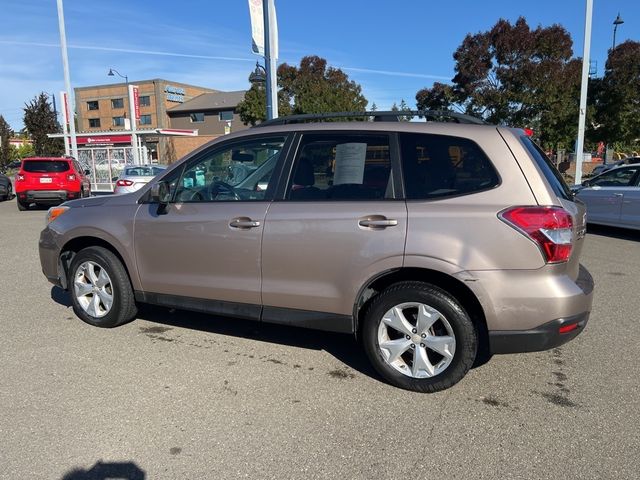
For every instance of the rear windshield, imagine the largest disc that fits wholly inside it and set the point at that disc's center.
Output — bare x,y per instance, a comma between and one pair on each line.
142,171
45,166
548,169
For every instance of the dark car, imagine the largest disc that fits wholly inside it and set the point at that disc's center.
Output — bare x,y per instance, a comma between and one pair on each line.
6,189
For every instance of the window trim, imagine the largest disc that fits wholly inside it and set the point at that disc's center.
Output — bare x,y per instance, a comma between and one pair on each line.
97,102
285,183
92,119
113,121
220,119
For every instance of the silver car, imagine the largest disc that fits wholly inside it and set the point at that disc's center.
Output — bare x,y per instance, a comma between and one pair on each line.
613,198
133,178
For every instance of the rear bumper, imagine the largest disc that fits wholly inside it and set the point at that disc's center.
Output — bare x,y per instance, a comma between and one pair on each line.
47,196
544,337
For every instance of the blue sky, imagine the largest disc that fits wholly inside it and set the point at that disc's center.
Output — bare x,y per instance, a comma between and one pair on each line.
392,48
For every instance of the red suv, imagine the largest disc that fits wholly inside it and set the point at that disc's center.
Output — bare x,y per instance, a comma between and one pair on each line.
50,180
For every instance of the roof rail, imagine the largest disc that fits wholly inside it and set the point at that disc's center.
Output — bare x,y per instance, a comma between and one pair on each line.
377,116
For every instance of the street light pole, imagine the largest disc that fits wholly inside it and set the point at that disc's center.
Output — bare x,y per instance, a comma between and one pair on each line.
132,115
67,80
583,92
616,22
269,59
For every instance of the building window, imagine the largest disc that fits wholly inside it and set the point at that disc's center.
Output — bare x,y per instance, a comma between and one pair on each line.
118,121
145,119
94,123
226,116
197,117
145,101
117,103
93,105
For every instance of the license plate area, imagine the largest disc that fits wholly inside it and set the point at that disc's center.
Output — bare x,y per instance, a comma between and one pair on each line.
45,180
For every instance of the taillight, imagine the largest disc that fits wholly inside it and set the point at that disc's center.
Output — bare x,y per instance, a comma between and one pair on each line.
71,177
528,132
551,228
124,183
19,177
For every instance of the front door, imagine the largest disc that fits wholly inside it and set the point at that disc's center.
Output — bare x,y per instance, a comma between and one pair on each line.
206,245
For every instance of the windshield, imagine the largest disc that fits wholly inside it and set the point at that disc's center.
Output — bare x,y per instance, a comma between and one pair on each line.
45,166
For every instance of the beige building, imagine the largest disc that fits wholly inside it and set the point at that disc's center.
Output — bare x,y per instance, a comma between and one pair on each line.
105,108
212,114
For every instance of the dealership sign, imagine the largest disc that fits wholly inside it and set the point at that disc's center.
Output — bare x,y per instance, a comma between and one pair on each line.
174,94
103,139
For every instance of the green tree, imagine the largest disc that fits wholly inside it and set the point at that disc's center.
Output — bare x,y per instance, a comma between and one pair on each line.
515,75
310,88
5,147
617,96
40,120
22,151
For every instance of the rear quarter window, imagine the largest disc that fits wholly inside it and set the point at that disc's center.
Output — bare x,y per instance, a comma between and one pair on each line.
437,166
45,166
548,169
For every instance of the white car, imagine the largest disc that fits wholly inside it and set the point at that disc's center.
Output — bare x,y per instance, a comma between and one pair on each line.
133,177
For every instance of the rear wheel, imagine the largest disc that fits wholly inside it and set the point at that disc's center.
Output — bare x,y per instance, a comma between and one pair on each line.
100,289
418,337
22,206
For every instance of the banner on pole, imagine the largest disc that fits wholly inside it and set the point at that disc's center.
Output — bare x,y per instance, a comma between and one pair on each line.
136,102
256,13
65,108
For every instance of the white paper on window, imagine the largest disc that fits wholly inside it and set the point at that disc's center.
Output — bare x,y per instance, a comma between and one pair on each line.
350,159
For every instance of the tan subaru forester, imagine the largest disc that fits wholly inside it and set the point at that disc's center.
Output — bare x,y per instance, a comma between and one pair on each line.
435,243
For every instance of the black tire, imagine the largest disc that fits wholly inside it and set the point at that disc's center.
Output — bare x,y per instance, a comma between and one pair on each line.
123,308
466,338
22,206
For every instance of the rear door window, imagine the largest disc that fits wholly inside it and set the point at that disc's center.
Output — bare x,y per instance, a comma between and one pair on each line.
549,171
342,167
437,166
45,166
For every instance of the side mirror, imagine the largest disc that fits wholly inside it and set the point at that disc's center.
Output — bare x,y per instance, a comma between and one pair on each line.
586,183
160,193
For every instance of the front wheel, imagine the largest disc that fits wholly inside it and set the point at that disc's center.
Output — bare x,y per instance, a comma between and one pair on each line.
100,289
418,337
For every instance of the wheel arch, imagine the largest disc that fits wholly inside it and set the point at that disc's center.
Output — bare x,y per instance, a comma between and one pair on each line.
73,246
450,284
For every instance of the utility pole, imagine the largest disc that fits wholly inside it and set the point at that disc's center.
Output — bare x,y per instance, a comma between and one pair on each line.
583,92
67,79
268,8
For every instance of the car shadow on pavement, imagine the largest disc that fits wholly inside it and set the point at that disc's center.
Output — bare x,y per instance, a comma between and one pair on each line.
106,470
614,232
343,347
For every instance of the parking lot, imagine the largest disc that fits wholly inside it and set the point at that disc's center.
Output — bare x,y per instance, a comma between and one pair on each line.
182,395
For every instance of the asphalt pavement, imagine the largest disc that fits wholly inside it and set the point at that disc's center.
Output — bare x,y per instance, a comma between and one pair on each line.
178,395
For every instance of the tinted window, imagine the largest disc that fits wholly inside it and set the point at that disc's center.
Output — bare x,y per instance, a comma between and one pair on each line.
45,166
342,167
549,171
620,177
437,166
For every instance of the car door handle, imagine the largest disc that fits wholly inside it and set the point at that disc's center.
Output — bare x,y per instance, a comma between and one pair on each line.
377,222
243,223
618,194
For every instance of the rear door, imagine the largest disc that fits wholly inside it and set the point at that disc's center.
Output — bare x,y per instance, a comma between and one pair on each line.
338,224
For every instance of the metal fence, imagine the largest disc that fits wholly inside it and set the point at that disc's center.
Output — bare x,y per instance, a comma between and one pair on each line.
106,163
